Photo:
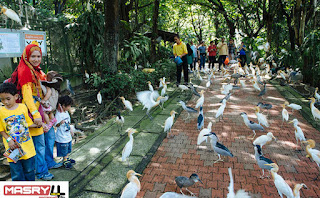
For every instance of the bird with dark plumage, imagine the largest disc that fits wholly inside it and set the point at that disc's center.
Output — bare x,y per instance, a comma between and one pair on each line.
264,106
200,119
261,160
187,109
253,126
186,182
219,148
263,91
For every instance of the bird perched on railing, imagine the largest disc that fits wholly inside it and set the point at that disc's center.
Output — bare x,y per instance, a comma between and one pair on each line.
315,112
261,160
186,182
187,109
253,126
264,139
10,14
126,103
285,114
128,147
201,138
298,132
133,187
163,100
313,153
282,187
293,106
146,99
240,193
219,148
119,121
169,123
220,111
200,101
164,89
262,119
162,81
69,87
200,121
99,97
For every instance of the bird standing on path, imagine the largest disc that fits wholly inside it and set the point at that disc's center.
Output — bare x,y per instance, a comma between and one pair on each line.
200,121
126,103
201,137
99,97
315,112
285,114
313,153
128,147
264,139
262,119
219,148
253,126
296,190
187,109
293,106
298,132
265,106
220,111
240,193
174,195
263,91
186,182
119,121
200,101
169,123
261,160
133,187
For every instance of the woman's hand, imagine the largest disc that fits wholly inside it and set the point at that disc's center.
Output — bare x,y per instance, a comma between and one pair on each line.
13,145
38,122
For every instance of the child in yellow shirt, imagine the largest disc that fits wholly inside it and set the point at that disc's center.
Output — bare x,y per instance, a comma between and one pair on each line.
14,128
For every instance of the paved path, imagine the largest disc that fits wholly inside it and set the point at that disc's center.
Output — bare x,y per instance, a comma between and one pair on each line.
179,156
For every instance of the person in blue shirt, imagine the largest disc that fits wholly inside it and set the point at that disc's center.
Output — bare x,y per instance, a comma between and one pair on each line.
243,57
203,52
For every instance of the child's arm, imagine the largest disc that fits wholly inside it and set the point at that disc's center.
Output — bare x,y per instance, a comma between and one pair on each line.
11,143
33,126
60,123
48,95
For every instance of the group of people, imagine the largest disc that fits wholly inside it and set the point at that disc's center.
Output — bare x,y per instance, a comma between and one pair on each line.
30,98
191,54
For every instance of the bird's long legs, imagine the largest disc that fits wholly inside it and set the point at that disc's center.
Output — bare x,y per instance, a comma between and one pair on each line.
181,191
218,160
262,176
192,194
254,135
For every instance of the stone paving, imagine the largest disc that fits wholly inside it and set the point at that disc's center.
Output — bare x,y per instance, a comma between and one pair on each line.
179,156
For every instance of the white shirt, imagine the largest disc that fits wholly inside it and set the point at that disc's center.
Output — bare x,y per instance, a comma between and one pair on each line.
63,134
194,49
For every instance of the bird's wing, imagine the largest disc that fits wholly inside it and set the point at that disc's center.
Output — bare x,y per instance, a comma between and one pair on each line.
269,161
201,137
129,191
221,146
145,98
126,151
155,95
174,195
192,109
231,187
180,180
242,194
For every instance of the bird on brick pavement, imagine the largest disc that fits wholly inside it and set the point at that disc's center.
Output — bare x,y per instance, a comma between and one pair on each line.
194,90
219,148
264,139
285,114
128,147
126,103
282,187
253,126
187,109
293,106
133,187
169,123
200,121
298,132
227,97
200,101
174,195
261,160
264,106
220,111
315,112
240,193
263,91
296,190
201,138
186,182
313,153
262,119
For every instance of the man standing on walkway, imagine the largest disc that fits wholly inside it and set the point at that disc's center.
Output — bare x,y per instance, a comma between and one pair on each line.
232,49
223,52
212,49
180,49
243,56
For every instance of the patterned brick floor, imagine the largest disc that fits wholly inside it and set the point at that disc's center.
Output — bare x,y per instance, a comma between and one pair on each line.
179,156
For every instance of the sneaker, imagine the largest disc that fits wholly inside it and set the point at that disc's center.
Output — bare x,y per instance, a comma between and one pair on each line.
72,161
47,177
57,165
67,164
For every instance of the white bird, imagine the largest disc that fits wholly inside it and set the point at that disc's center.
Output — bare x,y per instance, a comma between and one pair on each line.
163,100
208,83
128,147
174,195
282,187
133,187
169,123
201,137
262,119
313,153
242,83
150,86
240,193
298,131
296,190
200,101
316,95
282,74
119,121
315,112
164,89
99,97
86,74
293,106
285,114
146,99
255,85
183,87
220,111
264,139
161,82
10,14
126,103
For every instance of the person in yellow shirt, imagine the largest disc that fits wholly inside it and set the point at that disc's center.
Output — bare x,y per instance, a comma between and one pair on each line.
223,52
180,49
14,128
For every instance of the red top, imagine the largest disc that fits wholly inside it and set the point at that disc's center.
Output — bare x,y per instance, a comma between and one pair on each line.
212,50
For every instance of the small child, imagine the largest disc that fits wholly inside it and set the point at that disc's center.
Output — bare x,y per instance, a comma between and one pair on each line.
14,123
63,134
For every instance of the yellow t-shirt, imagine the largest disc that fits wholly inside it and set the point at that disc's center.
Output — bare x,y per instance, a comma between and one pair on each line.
16,124
180,49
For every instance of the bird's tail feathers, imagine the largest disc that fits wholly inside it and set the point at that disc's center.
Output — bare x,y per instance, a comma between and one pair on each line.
242,194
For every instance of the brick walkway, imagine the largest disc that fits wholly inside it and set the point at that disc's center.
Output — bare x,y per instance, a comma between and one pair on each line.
180,157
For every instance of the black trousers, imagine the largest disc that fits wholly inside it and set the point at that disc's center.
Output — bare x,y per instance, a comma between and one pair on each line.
212,60
222,58
243,59
184,66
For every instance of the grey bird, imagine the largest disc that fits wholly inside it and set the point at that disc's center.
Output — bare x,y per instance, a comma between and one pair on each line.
200,121
261,160
264,106
186,182
226,97
187,109
219,148
253,126
69,87
194,90
263,91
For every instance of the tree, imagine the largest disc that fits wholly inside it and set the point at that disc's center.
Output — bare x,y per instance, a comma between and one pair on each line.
153,51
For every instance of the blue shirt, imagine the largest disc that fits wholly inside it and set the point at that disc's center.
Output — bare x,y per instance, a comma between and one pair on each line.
242,51
202,49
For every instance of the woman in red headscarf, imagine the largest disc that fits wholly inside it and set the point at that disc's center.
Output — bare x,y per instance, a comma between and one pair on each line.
28,79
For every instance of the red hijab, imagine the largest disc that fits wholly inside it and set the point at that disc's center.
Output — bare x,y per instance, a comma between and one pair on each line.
26,72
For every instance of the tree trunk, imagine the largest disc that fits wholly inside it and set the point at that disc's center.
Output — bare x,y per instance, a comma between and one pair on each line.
111,35
153,52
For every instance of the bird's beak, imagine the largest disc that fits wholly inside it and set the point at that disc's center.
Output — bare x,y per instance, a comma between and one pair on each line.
138,174
275,139
291,121
305,186
305,142
268,165
207,134
200,181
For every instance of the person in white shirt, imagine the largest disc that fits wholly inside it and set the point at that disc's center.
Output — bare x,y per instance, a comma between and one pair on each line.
195,56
